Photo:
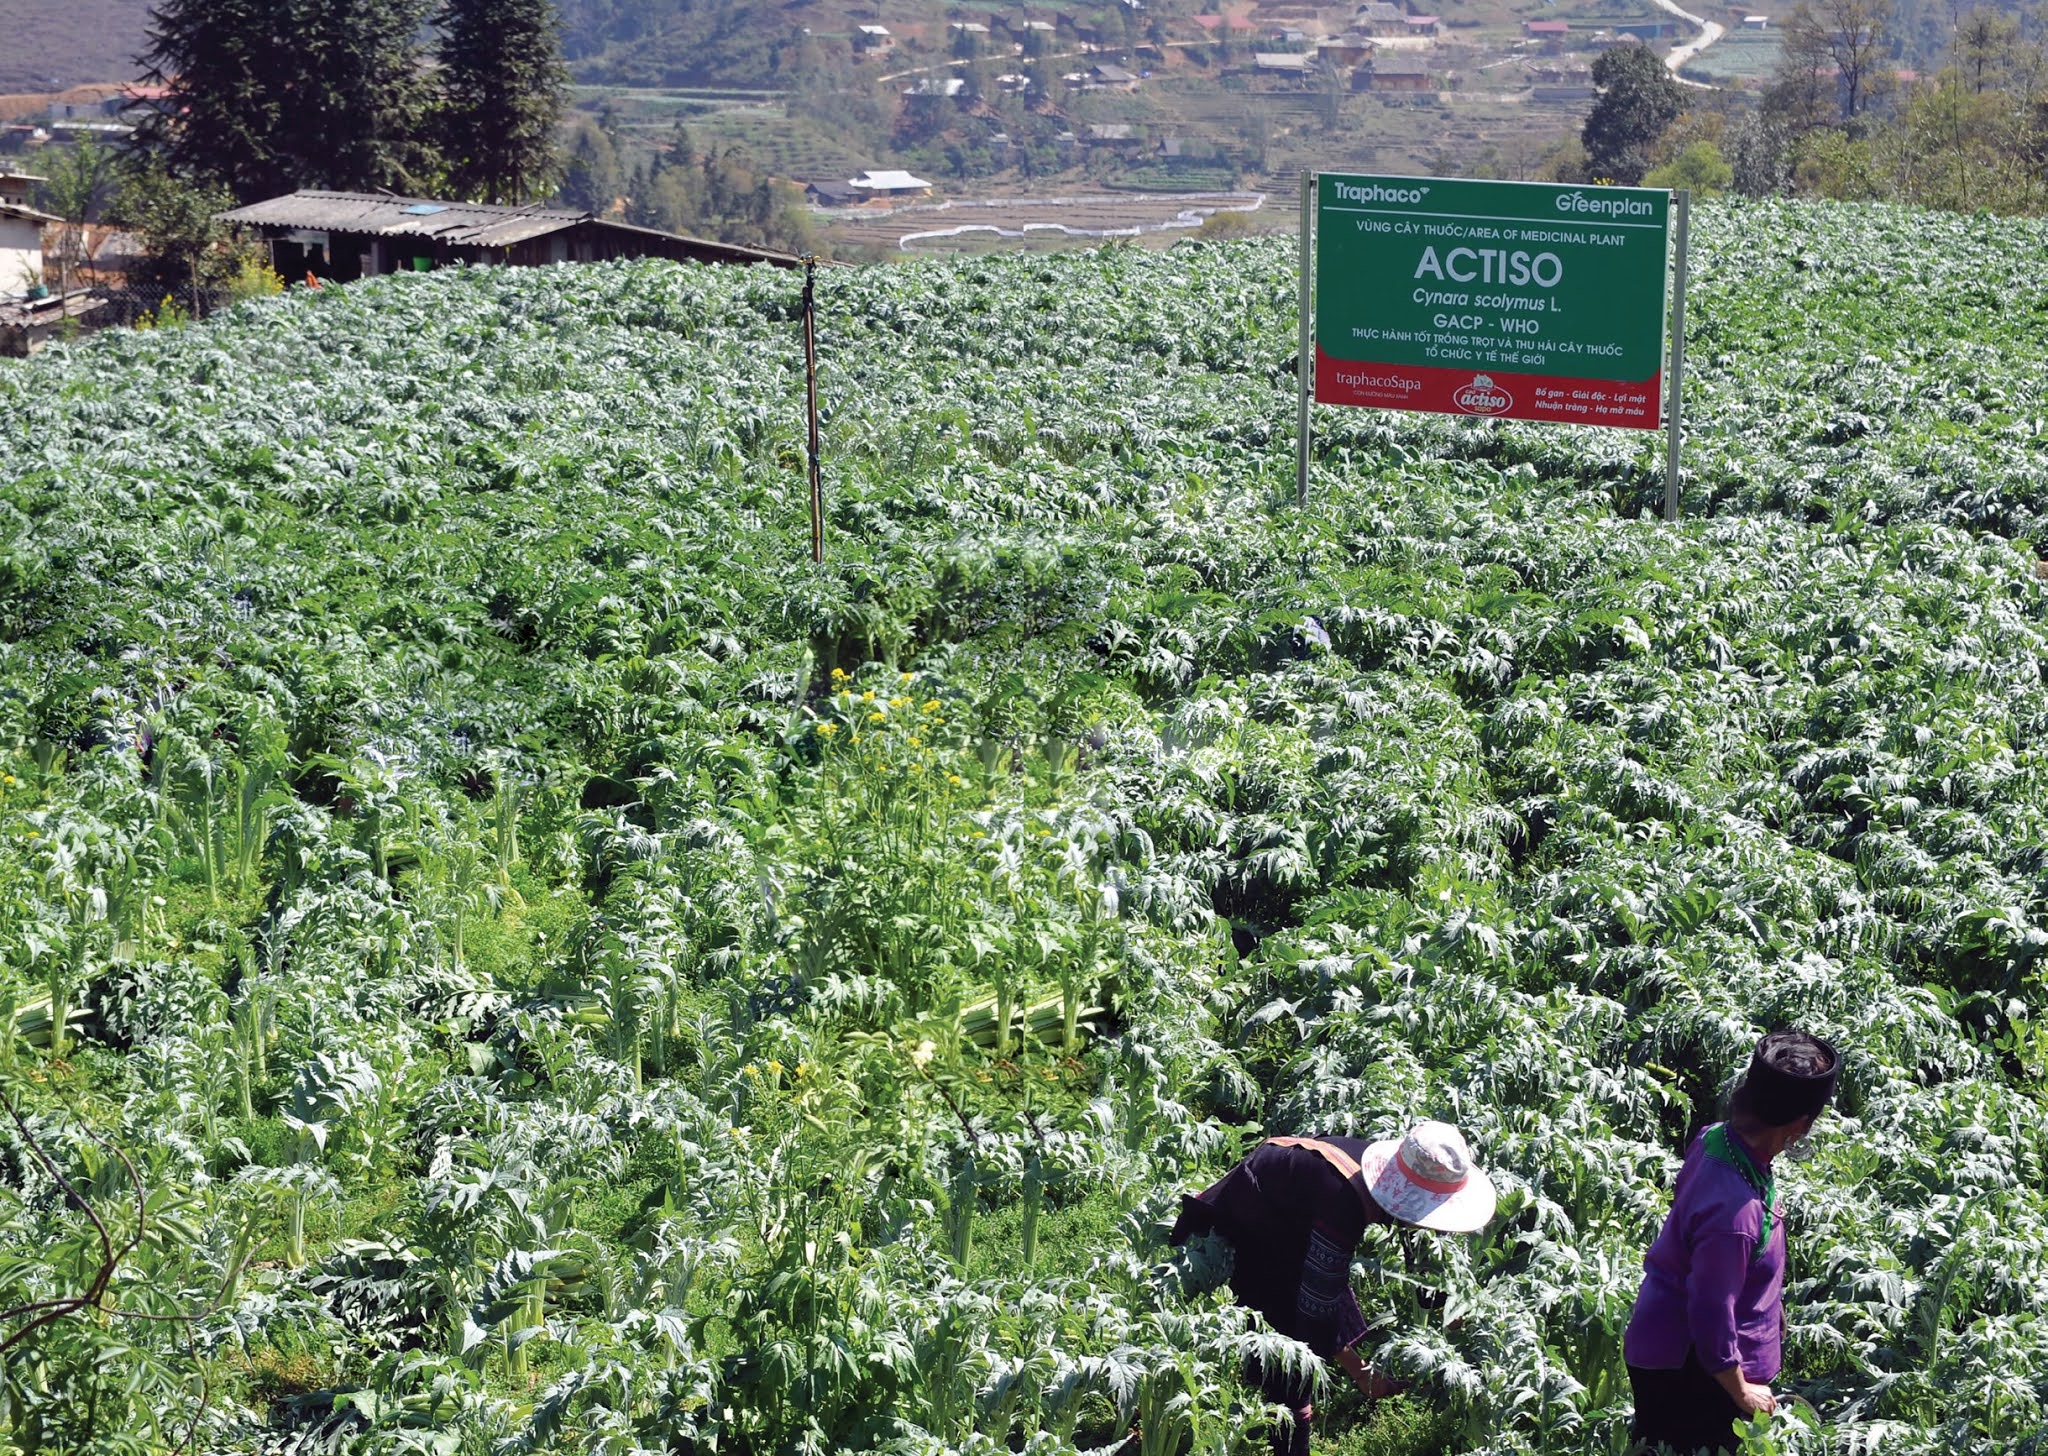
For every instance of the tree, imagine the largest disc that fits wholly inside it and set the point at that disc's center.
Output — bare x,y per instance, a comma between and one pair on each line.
269,95
186,246
503,86
1846,37
590,171
1700,168
228,82
1638,99
355,113
80,181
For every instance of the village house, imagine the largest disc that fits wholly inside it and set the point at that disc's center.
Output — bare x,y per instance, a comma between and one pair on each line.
948,86
1116,136
1756,22
343,236
833,194
1343,50
1021,28
1391,74
873,40
890,185
1112,78
1282,65
1551,32
1425,25
32,310
1380,19
21,235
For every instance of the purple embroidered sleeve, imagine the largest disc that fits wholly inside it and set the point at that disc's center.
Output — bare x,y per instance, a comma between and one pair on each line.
1712,1287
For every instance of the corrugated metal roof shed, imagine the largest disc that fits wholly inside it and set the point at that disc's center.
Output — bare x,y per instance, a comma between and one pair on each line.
473,224
465,224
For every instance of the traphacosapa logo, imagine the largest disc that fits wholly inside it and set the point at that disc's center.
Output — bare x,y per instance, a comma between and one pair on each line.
1482,397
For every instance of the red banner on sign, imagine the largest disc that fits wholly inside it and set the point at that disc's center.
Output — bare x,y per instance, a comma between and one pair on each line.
1491,393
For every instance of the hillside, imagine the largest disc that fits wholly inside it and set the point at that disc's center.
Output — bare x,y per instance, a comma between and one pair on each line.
572,974
47,45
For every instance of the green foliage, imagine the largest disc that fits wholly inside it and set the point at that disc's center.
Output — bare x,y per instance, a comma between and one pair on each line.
1638,99
272,95
1700,167
177,224
502,86
588,979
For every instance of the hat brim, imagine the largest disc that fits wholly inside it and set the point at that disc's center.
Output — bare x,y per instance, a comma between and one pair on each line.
1465,1211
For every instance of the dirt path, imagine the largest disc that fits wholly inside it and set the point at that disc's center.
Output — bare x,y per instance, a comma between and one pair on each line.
1710,31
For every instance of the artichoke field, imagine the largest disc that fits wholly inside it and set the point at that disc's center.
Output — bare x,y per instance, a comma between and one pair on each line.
500,954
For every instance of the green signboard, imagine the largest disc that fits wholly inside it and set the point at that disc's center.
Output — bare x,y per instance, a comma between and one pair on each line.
1522,300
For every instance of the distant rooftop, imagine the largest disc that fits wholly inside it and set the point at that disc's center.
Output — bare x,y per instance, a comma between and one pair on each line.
888,182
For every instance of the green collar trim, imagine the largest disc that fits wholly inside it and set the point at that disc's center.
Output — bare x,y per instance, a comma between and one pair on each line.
1724,1149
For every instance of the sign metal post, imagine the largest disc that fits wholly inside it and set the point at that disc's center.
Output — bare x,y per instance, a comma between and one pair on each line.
1682,200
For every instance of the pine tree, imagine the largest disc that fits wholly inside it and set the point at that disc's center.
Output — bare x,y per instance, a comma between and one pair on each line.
503,85
355,119
269,95
229,81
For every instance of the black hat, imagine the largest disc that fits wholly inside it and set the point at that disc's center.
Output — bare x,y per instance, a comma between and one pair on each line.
1775,1094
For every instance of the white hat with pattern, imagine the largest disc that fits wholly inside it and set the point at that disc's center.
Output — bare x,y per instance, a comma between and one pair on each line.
1428,1179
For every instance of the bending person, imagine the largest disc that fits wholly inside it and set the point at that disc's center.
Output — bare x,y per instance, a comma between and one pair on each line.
1293,1213
1706,1338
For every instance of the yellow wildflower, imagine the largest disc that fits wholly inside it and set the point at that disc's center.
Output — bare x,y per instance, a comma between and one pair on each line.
878,716
905,677
932,706
838,674
955,780
868,696
826,730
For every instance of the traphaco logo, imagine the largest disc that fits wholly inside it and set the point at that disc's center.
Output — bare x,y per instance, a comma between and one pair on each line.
1377,192
1482,397
1357,379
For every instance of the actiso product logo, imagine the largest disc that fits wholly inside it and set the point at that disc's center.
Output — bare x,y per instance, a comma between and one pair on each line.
1482,397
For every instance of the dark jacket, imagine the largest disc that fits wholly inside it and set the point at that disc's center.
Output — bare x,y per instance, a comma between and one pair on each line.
1294,1223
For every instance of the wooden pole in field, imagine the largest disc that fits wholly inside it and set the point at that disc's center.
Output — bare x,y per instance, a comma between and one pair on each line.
1305,341
811,403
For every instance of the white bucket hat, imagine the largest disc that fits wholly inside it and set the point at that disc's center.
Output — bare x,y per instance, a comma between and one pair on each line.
1428,1179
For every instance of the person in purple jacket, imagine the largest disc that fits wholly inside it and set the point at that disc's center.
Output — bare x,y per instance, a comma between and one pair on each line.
1706,1338
1293,1213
